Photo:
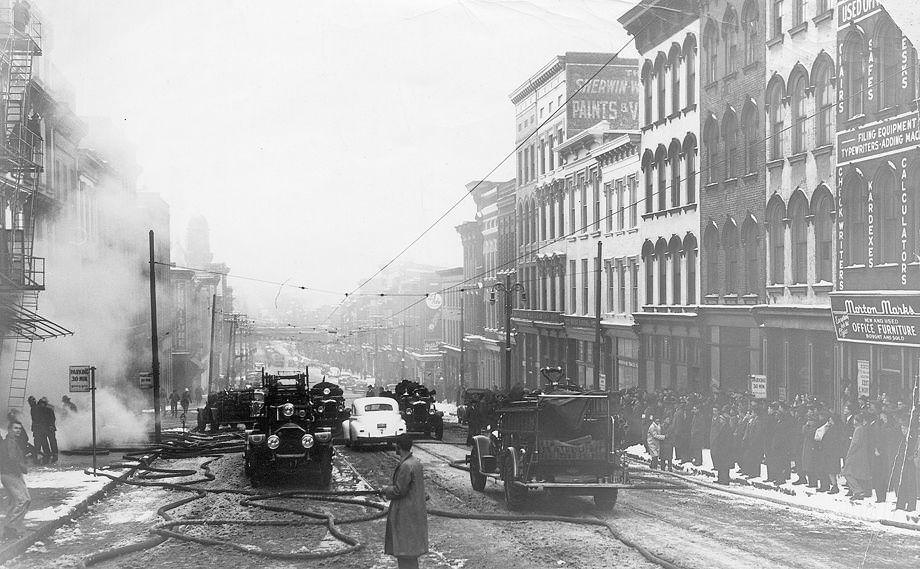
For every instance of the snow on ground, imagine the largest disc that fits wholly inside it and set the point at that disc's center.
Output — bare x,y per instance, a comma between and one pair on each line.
78,484
801,495
449,408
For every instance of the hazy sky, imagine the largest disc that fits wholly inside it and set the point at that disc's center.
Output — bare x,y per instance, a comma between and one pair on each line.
318,138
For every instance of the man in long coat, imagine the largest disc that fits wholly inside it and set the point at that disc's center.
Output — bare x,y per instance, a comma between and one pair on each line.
12,469
856,467
720,445
407,521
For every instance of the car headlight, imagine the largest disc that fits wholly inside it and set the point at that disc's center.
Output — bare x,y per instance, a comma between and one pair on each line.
273,442
320,409
306,441
287,409
302,413
409,411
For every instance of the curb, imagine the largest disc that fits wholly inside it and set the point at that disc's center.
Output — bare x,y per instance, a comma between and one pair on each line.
17,547
817,509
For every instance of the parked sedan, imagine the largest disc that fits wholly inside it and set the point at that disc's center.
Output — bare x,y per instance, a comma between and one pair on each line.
373,420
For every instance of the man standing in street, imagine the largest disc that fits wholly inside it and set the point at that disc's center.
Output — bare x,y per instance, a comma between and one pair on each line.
12,469
39,432
50,423
174,402
185,400
407,520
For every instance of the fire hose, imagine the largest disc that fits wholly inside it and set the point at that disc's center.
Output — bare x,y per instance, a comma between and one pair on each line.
143,473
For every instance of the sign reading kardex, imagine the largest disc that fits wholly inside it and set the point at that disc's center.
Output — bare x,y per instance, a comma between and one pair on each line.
877,319
897,133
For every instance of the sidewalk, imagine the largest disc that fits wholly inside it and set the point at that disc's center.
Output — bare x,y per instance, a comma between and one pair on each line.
789,495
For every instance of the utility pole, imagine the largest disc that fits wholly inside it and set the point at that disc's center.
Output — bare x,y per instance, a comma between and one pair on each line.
508,290
154,346
211,344
376,377
462,335
597,314
402,371
233,322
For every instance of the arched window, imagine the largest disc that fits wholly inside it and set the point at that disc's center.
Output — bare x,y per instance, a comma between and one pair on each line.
730,246
730,137
775,99
661,157
823,224
690,250
711,248
711,48
690,159
674,250
888,62
750,244
534,215
661,82
749,123
730,38
776,228
648,175
675,79
854,75
690,68
647,91
886,193
824,102
674,159
749,23
797,211
661,256
855,228
711,147
797,91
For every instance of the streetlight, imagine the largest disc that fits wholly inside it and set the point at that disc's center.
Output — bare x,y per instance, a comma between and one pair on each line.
508,289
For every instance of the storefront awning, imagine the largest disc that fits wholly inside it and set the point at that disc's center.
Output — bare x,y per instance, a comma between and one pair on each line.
19,322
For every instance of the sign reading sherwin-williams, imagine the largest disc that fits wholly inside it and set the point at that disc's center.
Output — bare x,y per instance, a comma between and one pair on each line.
598,93
887,318
889,135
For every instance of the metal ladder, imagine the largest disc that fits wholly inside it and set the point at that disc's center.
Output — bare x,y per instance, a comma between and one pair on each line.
22,357
20,74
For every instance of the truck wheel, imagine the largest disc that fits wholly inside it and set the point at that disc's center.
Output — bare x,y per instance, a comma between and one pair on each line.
477,478
606,500
514,495
202,424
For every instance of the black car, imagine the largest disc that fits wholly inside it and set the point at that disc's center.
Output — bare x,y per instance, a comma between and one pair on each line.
229,407
329,407
289,433
416,405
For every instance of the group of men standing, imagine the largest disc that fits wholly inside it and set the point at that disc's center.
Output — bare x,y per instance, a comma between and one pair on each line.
44,431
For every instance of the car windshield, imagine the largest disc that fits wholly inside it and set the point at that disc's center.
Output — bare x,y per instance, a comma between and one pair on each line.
378,407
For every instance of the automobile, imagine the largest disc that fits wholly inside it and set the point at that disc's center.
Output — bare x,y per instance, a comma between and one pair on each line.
347,382
229,407
329,407
470,397
373,420
416,403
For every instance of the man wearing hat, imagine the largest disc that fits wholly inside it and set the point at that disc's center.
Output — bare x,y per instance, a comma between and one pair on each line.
12,469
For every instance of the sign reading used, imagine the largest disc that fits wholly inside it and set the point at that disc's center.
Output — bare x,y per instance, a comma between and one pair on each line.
888,318
81,379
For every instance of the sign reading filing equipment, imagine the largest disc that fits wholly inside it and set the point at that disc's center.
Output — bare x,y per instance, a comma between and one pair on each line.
81,379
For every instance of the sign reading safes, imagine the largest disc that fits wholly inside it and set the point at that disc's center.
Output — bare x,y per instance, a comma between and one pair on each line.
885,318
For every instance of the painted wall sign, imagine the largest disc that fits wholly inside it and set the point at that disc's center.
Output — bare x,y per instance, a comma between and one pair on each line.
890,135
889,318
612,95
853,9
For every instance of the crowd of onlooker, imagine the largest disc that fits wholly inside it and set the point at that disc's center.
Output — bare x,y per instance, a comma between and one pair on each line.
863,445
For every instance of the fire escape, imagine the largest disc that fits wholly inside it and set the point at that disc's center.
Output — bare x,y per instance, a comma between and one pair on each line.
22,275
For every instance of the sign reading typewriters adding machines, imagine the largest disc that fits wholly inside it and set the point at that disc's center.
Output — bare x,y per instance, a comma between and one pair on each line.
877,318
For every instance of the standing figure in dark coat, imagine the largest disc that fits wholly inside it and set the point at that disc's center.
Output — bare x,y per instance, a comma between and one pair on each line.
39,433
720,443
904,477
407,520
753,445
12,469
667,445
805,465
50,423
699,435
829,441
856,467
681,428
881,434
777,445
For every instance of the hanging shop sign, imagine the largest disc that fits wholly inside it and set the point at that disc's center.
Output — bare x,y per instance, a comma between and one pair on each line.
862,377
884,318
759,386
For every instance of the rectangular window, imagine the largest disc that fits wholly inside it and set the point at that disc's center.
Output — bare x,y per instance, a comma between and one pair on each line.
562,288
552,218
533,162
585,277
561,215
633,205
611,301
798,12
621,284
571,207
597,202
573,286
583,194
777,18
552,153
634,285
621,207
552,290
520,167
542,156
609,197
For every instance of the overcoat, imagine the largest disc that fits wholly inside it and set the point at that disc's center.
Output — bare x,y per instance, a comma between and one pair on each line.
407,520
720,442
654,439
856,463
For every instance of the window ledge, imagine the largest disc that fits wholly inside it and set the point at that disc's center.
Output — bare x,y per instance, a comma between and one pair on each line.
583,236
822,150
673,115
798,157
660,121
648,127
776,288
823,16
618,232
731,298
731,182
887,112
648,215
729,76
823,287
775,41
572,239
596,233
675,210
798,287
775,163
689,207
749,176
711,299
661,213
689,109
798,28
711,187
632,230
750,298
854,121
751,66
709,86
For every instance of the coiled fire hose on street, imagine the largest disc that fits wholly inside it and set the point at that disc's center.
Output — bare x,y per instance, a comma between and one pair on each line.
141,472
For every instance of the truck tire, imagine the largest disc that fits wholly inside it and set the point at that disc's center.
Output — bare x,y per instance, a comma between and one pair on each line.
477,478
606,500
514,495
202,424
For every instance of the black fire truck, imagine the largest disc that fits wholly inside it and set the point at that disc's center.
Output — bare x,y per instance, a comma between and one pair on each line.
416,405
287,434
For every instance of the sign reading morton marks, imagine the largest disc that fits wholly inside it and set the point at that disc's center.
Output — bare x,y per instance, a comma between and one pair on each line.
81,378
887,318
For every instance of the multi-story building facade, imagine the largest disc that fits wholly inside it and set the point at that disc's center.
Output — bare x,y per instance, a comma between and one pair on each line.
797,341
876,268
452,361
732,64
666,35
